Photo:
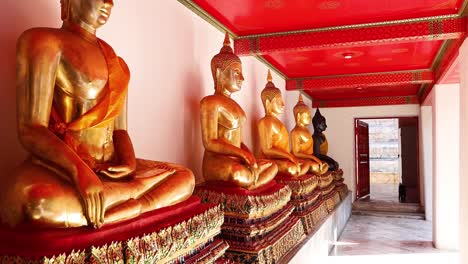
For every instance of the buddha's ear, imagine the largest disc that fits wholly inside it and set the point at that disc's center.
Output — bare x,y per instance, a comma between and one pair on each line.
218,73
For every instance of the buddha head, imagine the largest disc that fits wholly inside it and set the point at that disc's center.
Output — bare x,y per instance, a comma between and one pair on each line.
93,13
302,113
226,68
319,122
271,98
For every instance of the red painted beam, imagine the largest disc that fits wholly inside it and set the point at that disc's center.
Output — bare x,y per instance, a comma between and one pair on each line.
438,28
360,80
372,101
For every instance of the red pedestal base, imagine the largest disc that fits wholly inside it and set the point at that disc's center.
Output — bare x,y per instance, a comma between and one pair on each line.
258,224
181,232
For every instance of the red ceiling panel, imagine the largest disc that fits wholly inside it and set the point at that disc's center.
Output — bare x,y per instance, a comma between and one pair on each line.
246,17
326,62
363,92
380,58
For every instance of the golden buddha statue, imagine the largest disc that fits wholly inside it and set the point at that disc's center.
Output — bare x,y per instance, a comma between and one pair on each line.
226,157
301,138
274,137
72,118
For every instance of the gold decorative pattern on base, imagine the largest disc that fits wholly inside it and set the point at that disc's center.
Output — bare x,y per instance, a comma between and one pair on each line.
325,180
168,245
301,187
312,217
247,206
332,200
273,252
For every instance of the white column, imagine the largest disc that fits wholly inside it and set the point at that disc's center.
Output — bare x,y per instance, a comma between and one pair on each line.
426,159
446,166
463,60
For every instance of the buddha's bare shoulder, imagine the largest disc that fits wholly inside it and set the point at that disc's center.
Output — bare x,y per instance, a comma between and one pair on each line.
211,101
41,38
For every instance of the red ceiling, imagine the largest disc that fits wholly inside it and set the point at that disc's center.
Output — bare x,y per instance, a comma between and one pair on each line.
247,17
453,74
366,92
424,42
369,59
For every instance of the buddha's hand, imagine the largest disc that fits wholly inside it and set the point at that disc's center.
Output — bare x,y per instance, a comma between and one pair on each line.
116,172
255,173
91,191
249,159
298,166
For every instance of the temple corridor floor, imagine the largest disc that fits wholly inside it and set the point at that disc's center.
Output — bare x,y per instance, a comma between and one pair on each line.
367,239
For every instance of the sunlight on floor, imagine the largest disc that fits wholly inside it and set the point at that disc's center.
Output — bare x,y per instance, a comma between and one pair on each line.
426,258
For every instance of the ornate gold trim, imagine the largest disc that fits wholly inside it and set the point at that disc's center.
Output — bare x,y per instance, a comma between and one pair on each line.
358,74
269,65
301,187
440,54
214,22
270,253
163,246
206,16
355,26
247,206
464,9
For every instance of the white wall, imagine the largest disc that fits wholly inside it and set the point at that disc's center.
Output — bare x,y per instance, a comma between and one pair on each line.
340,132
446,177
425,129
168,49
463,55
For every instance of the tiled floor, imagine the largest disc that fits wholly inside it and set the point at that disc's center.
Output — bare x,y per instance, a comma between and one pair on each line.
384,192
370,235
381,240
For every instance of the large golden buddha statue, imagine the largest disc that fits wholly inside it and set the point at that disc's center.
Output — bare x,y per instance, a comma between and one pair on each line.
226,157
301,138
72,118
274,137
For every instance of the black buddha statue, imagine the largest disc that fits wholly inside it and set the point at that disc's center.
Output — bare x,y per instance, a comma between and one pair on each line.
321,142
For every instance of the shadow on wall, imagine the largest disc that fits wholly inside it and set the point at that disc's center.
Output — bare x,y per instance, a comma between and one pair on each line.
192,139
256,114
16,17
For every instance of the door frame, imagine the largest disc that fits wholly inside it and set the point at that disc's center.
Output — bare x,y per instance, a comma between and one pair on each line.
418,178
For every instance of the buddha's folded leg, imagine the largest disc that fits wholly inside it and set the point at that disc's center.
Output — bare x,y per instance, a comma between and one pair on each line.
267,171
287,167
310,166
306,166
175,188
39,196
218,167
155,185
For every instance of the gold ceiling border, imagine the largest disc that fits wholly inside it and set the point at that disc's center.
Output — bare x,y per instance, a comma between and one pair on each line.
440,54
358,74
206,16
354,26
464,9
214,22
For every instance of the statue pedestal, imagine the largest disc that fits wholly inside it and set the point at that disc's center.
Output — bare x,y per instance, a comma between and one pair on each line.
306,199
330,194
182,232
340,186
257,224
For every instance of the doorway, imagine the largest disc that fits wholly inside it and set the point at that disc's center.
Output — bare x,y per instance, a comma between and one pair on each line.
387,163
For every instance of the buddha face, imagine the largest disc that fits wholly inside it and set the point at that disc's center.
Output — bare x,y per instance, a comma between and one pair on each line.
321,124
231,78
276,106
94,13
304,118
